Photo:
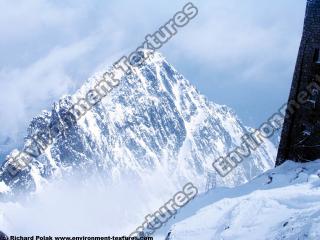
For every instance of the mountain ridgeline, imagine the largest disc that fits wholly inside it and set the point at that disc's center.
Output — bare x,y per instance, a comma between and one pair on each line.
155,121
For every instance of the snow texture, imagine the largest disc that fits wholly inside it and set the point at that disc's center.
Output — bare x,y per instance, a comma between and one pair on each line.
283,203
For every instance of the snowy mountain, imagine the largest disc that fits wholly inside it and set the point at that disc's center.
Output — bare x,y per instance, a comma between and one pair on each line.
155,122
283,203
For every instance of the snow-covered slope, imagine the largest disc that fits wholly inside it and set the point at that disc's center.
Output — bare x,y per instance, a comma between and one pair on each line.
283,203
154,122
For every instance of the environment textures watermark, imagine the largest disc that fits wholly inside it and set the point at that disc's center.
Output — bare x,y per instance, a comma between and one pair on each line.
251,141
41,140
156,220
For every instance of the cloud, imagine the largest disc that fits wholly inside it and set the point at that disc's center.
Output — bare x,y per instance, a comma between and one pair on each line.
49,48
247,34
241,54
90,208
24,91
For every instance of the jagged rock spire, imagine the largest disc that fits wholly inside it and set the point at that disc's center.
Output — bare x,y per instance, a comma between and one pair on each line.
300,140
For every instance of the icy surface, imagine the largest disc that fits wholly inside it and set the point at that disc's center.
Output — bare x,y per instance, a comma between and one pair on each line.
283,203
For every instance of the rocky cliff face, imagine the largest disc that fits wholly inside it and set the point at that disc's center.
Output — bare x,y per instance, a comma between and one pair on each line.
153,122
300,136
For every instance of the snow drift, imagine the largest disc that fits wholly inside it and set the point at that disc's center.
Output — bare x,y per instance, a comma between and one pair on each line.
283,203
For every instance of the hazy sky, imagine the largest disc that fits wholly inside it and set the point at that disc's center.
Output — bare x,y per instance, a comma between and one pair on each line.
238,53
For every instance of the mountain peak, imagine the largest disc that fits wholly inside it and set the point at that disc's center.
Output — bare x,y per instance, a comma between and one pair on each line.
154,121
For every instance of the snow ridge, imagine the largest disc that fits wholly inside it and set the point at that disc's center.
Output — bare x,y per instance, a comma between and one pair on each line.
283,203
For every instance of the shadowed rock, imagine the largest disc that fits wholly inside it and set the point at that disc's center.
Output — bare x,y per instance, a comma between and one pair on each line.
300,140
3,236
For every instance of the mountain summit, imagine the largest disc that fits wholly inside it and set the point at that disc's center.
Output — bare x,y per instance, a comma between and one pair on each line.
154,122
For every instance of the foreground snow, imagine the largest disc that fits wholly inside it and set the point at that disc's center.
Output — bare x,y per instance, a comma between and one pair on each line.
283,203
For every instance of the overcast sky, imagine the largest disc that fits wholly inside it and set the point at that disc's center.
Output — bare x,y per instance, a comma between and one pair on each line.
237,53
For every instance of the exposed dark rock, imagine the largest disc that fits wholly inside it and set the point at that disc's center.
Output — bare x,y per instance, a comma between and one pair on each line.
300,140
3,236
